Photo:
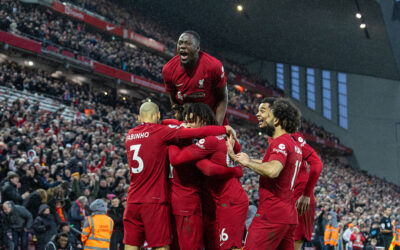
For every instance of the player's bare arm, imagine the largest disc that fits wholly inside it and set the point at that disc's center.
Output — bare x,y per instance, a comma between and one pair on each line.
172,98
302,204
271,169
222,104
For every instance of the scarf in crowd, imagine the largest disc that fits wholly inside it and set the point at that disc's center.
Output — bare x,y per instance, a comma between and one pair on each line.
60,213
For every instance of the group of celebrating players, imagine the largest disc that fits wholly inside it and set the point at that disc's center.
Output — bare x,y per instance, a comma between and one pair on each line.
185,191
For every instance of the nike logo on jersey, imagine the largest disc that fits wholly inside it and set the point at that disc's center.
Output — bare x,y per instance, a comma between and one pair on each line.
201,84
178,85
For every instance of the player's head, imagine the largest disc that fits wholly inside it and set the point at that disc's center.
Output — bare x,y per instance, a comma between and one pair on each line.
263,110
283,115
149,112
188,48
198,114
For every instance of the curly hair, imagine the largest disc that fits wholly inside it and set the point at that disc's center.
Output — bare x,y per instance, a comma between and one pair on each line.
288,114
201,111
269,100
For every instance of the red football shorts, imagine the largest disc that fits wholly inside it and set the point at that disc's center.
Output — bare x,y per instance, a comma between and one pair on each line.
188,232
150,222
306,223
231,221
264,235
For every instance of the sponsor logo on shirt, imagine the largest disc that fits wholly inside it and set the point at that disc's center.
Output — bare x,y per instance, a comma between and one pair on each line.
196,95
281,149
179,96
200,143
201,84
138,136
301,141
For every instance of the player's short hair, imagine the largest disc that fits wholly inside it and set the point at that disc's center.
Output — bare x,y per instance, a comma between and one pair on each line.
288,114
201,111
194,34
269,100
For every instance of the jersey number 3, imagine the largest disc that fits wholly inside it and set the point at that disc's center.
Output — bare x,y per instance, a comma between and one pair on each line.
136,157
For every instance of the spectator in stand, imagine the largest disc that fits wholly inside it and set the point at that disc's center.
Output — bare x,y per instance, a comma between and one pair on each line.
78,213
9,191
357,239
116,212
19,221
77,164
72,238
34,200
59,243
45,226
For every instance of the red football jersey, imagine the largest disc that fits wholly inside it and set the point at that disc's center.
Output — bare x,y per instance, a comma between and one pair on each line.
198,84
185,184
222,189
310,168
147,148
277,194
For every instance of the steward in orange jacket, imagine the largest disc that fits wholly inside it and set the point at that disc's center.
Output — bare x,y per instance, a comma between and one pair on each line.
98,227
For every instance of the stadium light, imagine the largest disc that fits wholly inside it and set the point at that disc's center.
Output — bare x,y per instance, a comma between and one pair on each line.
358,15
124,98
239,7
105,93
363,26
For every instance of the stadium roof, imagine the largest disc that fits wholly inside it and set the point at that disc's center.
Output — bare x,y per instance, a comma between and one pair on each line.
319,34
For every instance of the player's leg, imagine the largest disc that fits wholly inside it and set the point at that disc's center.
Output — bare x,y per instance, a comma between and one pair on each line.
231,224
161,248
128,247
133,227
287,242
157,225
264,235
298,244
189,231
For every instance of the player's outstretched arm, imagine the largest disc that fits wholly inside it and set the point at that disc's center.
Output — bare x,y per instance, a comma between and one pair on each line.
179,157
271,169
210,168
191,133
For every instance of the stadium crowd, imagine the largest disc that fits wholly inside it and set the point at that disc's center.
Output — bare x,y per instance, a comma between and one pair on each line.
53,29
46,151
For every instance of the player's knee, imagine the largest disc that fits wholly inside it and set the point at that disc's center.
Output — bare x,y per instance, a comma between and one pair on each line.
129,247
162,248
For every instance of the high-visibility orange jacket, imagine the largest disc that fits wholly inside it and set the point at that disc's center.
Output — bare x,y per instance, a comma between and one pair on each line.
96,232
331,235
396,238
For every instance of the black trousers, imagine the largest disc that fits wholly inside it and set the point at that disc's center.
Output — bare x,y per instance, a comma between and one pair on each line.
117,237
387,240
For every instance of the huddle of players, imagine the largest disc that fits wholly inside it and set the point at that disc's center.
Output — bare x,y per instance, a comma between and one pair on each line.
204,191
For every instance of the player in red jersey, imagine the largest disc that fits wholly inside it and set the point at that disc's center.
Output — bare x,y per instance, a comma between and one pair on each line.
195,76
226,207
306,180
276,219
147,215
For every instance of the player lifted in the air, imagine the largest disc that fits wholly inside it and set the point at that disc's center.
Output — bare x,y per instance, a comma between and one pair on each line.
195,76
